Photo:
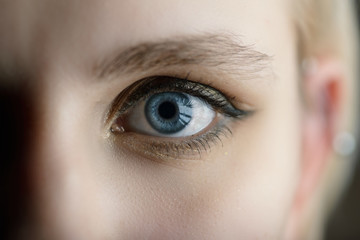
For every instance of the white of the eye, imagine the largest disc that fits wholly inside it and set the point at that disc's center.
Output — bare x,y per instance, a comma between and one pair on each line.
202,116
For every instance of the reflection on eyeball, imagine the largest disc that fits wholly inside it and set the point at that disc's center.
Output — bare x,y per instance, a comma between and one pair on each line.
171,114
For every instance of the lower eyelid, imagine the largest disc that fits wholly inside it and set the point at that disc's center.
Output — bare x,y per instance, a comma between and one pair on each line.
173,149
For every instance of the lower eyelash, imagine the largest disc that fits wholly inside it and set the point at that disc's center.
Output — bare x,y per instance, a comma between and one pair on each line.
164,150
200,144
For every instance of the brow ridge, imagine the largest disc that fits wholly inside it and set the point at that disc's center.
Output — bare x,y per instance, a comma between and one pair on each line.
222,51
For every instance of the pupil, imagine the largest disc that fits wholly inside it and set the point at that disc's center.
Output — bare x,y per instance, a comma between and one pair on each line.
167,110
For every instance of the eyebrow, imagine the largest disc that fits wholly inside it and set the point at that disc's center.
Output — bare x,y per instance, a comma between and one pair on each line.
224,52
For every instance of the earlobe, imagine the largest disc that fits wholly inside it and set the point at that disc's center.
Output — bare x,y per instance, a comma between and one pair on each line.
323,91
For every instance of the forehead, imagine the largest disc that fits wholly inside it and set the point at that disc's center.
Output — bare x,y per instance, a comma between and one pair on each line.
81,31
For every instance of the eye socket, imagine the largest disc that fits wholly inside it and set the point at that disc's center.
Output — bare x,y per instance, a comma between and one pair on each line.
171,114
164,117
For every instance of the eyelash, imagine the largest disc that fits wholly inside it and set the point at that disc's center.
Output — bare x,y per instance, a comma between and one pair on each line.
164,148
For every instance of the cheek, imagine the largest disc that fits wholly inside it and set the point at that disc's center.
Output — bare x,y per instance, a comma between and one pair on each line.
244,189
242,195
241,190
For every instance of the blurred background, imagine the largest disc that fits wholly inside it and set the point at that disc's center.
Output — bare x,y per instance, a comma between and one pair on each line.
345,221
343,225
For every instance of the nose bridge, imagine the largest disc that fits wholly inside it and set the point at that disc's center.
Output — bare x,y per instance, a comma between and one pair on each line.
45,172
61,174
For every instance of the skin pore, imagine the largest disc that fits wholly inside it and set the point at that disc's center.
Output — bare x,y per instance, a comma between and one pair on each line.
73,58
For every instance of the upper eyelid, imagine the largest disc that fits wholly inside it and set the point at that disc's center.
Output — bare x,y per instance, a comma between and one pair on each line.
142,88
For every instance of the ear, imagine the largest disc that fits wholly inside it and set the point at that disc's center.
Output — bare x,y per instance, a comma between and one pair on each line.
322,90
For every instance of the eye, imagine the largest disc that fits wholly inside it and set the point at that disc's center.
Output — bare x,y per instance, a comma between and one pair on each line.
171,117
171,114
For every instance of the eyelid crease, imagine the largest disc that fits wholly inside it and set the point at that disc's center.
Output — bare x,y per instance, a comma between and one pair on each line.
156,84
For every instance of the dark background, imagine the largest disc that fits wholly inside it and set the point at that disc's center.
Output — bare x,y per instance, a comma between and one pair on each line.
345,221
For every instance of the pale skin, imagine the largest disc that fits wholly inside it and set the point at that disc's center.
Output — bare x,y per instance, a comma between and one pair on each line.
87,185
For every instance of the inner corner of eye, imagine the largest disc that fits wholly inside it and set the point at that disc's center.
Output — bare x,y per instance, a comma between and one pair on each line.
117,126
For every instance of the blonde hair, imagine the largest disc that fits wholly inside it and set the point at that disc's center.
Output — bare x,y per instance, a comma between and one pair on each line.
328,28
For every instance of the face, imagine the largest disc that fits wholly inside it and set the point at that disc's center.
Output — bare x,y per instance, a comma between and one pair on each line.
153,119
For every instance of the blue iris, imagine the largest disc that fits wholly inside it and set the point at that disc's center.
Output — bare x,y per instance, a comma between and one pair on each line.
168,112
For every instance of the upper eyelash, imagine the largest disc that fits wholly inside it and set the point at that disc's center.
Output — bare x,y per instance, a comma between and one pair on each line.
142,89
